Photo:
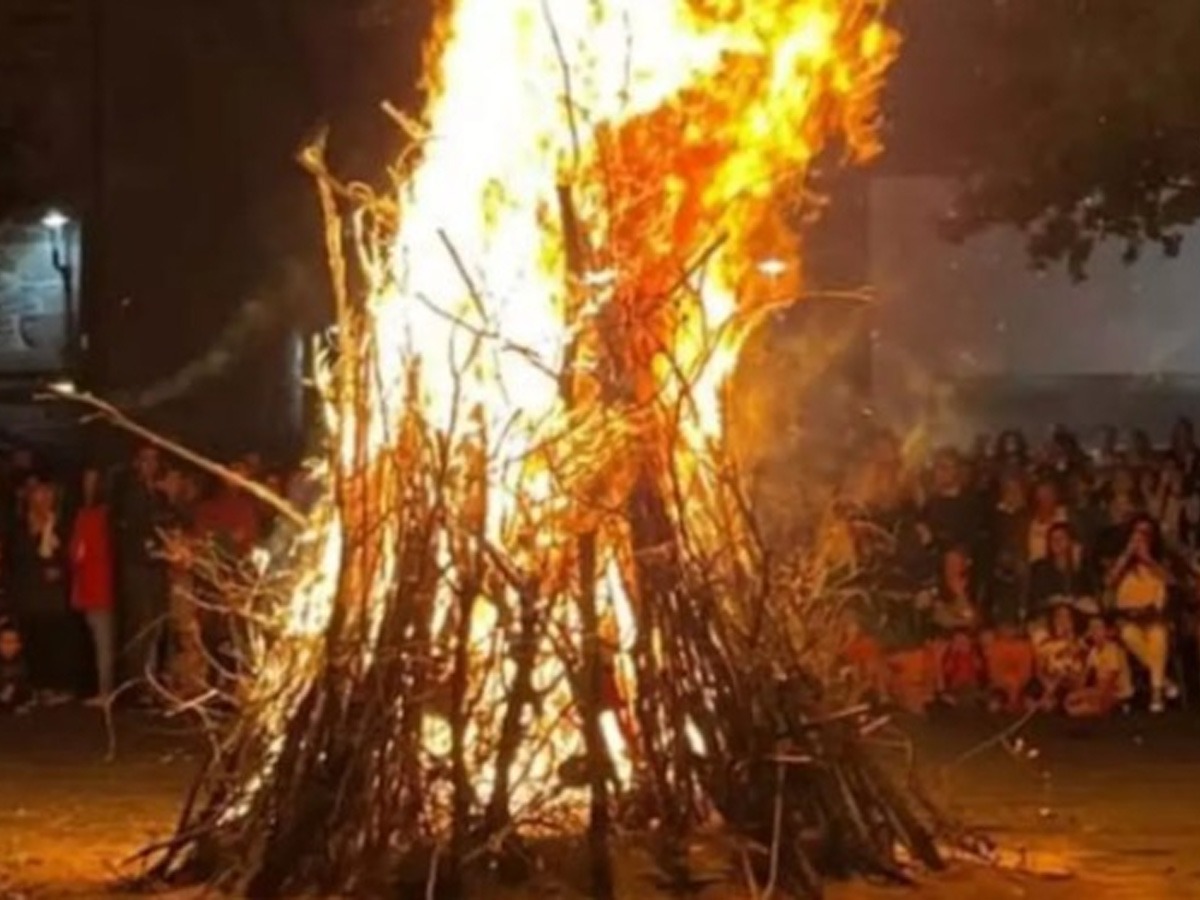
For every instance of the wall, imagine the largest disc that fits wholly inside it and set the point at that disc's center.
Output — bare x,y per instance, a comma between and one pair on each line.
34,296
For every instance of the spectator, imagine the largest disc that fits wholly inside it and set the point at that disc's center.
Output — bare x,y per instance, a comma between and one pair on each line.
40,597
1141,450
1166,502
1107,667
1140,583
1083,512
15,692
187,662
1064,453
1123,504
864,659
92,581
956,608
1061,659
1185,454
962,670
952,514
1060,579
1047,511
140,513
1012,452
1108,453
1009,546
1010,666
231,517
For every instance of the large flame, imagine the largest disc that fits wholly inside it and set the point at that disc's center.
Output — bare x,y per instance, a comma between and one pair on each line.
581,245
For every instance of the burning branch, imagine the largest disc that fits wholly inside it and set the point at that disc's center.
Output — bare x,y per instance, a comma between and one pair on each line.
533,596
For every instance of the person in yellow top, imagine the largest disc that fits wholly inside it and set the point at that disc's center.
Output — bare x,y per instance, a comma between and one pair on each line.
1140,583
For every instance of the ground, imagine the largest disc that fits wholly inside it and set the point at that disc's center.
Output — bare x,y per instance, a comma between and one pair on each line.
1101,812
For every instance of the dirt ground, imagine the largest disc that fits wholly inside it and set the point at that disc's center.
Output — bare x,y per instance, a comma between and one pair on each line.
1105,812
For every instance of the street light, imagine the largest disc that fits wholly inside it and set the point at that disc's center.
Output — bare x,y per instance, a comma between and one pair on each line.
55,223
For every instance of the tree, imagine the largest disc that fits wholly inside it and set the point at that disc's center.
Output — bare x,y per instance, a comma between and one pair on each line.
1079,123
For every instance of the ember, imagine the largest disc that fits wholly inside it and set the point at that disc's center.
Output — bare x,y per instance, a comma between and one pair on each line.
532,597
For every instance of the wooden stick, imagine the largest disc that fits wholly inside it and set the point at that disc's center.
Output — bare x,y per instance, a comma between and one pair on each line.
114,416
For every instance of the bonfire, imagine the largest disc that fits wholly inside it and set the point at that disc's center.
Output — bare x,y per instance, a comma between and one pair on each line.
530,603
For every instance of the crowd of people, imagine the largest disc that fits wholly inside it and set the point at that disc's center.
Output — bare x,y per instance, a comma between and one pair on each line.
92,589
1060,578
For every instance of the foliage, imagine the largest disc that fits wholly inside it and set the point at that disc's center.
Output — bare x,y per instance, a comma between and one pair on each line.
1084,125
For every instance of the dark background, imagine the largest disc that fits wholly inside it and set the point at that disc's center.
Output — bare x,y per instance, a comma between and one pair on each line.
170,127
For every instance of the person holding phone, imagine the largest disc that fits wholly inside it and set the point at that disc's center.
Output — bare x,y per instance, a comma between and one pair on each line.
1141,582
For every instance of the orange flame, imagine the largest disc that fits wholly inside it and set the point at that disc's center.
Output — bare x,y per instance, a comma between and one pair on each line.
581,249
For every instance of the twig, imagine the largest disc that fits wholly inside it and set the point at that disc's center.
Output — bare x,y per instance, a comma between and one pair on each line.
115,417
996,739
776,833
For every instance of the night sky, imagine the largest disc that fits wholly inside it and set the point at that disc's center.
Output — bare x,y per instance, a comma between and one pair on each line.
202,209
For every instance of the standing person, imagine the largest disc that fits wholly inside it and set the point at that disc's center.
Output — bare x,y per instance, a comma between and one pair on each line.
92,581
1048,510
1009,548
187,662
953,514
40,597
142,574
231,517
1140,582
230,522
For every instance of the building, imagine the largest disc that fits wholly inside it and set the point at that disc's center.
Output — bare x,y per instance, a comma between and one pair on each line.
46,171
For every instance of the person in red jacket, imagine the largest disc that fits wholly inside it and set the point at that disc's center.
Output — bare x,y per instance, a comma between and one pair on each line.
92,581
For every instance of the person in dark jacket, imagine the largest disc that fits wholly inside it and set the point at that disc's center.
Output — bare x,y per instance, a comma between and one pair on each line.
1060,577
141,571
40,596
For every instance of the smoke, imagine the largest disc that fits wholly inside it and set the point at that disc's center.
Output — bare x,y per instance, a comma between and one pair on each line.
258,319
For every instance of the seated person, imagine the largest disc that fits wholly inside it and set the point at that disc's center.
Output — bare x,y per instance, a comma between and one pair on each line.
1059,577
1108,680
15,692
1009,660
1060,655
962,670
864,659
956,618
912,678
1140,582
955,607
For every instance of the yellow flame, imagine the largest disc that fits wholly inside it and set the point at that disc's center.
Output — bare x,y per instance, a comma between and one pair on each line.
564,354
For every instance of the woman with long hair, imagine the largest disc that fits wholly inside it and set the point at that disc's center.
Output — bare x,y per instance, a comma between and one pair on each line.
1059,578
